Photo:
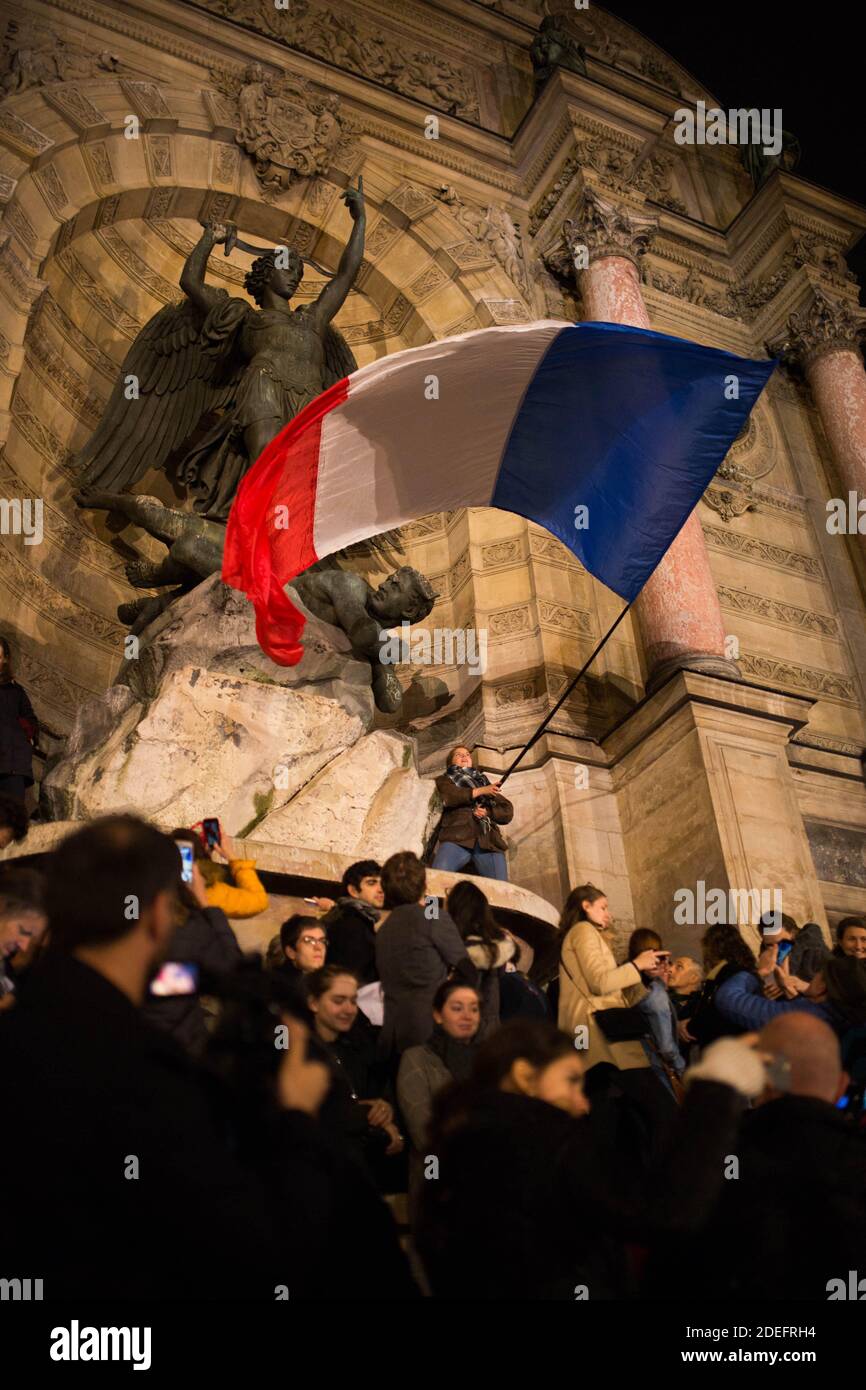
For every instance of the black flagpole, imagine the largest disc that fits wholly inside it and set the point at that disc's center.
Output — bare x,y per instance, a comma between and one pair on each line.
564,696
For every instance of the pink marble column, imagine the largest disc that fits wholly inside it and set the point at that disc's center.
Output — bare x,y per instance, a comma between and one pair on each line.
678,609
824,336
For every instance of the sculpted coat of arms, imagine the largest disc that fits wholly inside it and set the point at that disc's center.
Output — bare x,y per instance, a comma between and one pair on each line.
289,129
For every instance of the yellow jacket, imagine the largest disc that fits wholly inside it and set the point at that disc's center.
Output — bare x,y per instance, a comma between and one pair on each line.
245,897
590,979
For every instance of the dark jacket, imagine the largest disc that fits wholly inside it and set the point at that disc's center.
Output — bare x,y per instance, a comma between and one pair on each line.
530,1204
205,939
706,1023
92,1085
796,1215
351,940
460,827
16,742
414,954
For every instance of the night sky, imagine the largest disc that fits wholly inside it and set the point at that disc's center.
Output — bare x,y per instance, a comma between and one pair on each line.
807,60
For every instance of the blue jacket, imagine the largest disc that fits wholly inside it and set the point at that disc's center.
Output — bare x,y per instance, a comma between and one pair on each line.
741,1002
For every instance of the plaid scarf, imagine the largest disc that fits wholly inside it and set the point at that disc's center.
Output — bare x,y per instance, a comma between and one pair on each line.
471,777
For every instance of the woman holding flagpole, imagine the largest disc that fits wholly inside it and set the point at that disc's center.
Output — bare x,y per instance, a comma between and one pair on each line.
469,836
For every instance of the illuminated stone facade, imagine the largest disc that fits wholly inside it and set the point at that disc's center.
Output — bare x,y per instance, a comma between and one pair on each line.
121,128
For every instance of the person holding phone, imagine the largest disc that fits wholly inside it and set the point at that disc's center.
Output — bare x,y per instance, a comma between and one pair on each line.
202,938
240,895
590,979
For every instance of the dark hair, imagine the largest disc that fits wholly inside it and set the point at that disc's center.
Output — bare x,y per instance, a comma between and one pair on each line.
643,939
772,922
455,749
189,837
294,926
258,276
573,910
13,815
318,982
7,650
722,942
404,879
534,1040
98,876
846,924
449,987
21,890
472,914
365,868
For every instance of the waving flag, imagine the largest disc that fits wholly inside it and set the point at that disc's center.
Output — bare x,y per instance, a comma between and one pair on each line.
607,435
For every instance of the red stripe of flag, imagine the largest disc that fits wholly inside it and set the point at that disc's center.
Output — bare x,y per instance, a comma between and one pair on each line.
269,534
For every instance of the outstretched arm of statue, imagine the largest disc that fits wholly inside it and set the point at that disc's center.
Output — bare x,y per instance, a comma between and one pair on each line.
335,292
192,281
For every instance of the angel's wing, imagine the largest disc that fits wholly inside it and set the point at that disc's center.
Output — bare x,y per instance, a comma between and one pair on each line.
182,365
339,357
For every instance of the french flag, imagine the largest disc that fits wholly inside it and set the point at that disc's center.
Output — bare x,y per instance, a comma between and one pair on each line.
606,435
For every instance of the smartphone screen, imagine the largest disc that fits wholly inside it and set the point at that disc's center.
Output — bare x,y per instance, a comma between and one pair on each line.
782,950
187,857
175,977
211,831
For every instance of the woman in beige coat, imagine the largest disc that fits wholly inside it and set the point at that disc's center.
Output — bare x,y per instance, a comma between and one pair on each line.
590,979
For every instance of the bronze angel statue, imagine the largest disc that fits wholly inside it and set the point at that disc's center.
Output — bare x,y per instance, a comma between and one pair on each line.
216,379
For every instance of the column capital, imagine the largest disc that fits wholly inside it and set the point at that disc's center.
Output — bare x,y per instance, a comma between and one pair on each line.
608,227
824,324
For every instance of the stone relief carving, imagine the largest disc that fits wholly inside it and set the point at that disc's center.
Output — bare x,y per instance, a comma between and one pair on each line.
35,56
359,46
788,614
494,229
764,551
616,44
808,678
288,128
729,504
619,169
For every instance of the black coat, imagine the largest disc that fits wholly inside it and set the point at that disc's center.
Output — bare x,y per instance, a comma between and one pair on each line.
705,1022
530,1203
16,749
794,1217
414,954
205,939
351,940
91,1085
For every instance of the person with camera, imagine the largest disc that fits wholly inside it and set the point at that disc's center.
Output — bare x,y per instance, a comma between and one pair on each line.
795,1218
202,939
231,882
125,1140
475,807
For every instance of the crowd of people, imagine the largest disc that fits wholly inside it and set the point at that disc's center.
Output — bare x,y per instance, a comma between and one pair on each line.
398,1097
596,1128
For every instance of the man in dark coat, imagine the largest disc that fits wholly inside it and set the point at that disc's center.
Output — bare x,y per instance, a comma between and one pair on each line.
351,922
792,1216
138,1188
415,951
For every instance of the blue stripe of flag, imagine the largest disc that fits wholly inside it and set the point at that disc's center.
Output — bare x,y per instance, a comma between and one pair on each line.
631,424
